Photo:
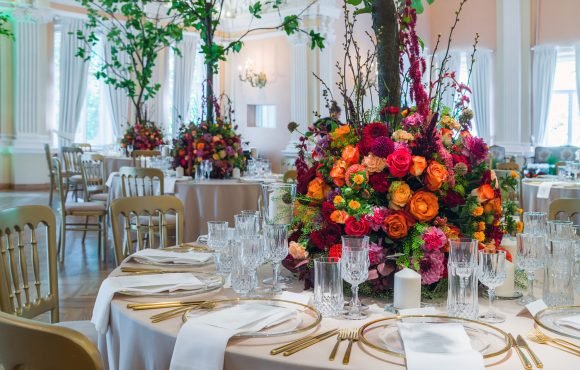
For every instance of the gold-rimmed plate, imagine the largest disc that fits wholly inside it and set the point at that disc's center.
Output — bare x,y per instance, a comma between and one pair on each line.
551,319
306,317
383,334
210,282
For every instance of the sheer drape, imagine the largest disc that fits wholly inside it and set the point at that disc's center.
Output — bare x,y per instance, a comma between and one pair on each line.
543,71
577,52
116,100
452,65
481,77
73,80
156,107
184,71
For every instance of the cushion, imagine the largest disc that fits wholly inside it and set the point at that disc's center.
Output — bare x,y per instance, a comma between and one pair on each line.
85,207
102,197
144,220
77,179
86,328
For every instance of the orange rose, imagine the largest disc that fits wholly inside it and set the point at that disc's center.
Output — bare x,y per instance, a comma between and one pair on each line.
338,216
374,163
495,205
435,176
338,171
396,225
477,211
483,193
399,195
352,170
339,132
350,154
317,189
424,206
418,166
297,251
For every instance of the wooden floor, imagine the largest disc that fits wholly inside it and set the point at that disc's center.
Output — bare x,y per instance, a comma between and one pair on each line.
82,272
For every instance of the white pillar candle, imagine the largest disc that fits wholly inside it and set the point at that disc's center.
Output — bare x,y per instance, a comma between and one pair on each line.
508,287
407,289
179,171
236,174
510,244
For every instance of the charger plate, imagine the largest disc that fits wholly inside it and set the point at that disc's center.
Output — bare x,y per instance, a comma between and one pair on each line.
383,334
307,317
548,319
211,282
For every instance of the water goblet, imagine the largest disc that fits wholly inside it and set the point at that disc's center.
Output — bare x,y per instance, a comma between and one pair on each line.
276,245
246,225
355,270
560,229
217,239
535,222
530,257
491,273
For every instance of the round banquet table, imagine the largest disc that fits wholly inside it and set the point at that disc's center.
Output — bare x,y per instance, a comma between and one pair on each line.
133,342
559,189
113,163
203,201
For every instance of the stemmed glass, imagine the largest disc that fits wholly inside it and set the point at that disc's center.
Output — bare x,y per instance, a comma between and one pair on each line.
217,239
278,203
491,273
251,254
535,222
560,229
462,262
355,270
530,257
246,224
130,149
276,246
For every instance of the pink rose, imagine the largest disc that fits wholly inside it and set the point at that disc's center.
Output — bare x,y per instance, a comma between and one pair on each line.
399,162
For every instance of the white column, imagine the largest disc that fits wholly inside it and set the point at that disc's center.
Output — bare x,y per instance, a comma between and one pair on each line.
326,65
299,81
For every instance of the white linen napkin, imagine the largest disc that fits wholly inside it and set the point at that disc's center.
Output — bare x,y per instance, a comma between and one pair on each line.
109,182
544,190
156,283
171,257
169,185
438,347
571,322
201,342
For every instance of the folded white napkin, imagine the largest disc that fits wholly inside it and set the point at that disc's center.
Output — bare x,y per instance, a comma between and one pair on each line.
171,257
109,182
544,190
438,347
202,340
156,283
571,322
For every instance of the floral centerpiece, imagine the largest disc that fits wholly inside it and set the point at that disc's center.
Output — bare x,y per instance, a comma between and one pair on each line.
143,136
411,179
216,141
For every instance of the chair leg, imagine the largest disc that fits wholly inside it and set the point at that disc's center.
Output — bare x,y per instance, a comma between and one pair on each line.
85,230
51,191
99,231
63,240
104,230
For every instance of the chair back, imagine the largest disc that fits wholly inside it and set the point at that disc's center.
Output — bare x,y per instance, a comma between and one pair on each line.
59,181
71,158
560,164
144,216
569,206
290,176
137,182
23,289
498,153
48,157
85,147
509,166
137,154
28,344
93,172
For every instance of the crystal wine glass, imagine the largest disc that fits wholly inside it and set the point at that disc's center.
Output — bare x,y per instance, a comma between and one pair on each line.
355,270
530,257
491,273
535,222
276,245
217,239
130,149
251,254
462,262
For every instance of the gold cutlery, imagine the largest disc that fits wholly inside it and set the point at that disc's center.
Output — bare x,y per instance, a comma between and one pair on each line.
156,305
295,343
352,337
527,364
541,338
311,342
180,310
523,344
138,270
342,335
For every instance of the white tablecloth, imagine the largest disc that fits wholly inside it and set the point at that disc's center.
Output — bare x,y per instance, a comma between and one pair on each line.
560,189
134,343
114,163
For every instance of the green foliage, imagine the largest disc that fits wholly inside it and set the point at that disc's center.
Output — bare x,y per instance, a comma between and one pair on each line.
138,29
4,18
418,5
411,248
366,6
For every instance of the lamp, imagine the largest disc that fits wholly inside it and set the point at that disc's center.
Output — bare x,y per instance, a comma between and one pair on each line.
247,74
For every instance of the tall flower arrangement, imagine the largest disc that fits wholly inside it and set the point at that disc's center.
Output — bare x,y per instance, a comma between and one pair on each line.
143,136
411,180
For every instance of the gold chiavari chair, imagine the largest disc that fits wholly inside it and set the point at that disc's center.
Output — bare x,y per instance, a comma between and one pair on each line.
89,209
51,176
569,206
137,154
511,166
28,267
93,173
71,157
85,147
146,217
141,181
27,344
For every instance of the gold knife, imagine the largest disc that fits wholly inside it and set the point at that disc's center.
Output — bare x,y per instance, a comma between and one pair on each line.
527,364
523,344
315,340
297,342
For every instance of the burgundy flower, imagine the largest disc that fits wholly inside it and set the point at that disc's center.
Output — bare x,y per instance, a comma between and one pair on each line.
375,129
382,146
304,179
432,268
365,144
379,182
327,209
390,110
453,199
475,148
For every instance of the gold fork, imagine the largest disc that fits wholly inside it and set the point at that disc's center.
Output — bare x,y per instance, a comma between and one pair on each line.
342,335
180,310
352,337
541,338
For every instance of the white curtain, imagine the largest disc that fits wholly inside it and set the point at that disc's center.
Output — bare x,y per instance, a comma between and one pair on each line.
480,83
73,80
543,71
577,52
156,108
452,65
183,81
116,100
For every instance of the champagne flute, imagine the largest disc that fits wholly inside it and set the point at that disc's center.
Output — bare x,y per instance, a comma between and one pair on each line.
276,240
491,273
530,257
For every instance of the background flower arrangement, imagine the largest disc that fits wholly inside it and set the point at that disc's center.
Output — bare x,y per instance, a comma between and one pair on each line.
143,136
216,141
411,179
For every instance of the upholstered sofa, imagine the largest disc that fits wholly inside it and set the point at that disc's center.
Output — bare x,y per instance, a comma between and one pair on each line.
558,153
